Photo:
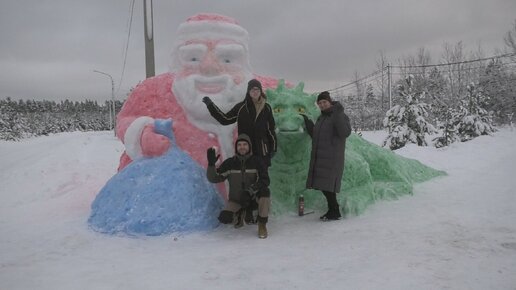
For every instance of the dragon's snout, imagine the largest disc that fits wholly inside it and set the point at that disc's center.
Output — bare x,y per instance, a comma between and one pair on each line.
290,127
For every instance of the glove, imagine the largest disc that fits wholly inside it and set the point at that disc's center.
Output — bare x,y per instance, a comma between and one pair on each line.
253,189
212,156
153,144
309,125
308,122
207,100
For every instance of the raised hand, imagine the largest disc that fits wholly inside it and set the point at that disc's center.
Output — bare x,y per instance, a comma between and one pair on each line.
309,124
207,100
212,156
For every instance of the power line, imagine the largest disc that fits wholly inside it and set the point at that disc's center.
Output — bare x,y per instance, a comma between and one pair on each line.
453,63
130,22
505,66
364,83
356,81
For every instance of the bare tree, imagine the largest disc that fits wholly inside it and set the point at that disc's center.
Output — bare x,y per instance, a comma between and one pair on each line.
454,54
510,38
381,64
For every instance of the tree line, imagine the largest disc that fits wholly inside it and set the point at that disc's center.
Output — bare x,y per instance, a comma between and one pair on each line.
454,93
28,118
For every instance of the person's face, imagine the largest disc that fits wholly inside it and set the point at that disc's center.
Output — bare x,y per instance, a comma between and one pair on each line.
323,104
242,147
255,93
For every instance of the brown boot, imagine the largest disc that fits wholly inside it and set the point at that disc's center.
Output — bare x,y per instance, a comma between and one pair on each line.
240,218
262,230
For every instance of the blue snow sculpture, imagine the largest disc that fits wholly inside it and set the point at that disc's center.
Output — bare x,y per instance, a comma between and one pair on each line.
157,196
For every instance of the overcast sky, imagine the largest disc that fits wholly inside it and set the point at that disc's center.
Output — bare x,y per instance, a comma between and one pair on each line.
49,48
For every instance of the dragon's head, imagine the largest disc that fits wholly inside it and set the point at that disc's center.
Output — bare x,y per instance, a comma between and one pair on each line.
287,105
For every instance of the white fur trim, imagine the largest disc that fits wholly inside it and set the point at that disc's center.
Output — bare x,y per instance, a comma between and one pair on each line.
133,135
212,30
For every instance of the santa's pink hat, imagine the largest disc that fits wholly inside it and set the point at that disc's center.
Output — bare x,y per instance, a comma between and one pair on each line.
212,26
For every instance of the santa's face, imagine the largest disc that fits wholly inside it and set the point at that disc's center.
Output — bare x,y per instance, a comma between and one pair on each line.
218,69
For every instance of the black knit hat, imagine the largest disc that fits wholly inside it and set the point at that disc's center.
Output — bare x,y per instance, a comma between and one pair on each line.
324,96
254,83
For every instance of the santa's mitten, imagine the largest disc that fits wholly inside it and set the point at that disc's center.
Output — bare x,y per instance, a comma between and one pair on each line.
152,143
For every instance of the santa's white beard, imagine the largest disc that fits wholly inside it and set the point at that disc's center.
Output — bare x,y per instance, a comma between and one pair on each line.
190,100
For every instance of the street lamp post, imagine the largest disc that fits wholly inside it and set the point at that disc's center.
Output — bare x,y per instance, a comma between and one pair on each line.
112,107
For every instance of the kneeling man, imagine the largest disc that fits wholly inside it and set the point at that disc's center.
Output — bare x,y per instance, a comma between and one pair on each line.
248,182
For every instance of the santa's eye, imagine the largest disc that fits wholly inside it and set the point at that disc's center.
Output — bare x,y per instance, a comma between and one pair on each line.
300,110
231,53
192,53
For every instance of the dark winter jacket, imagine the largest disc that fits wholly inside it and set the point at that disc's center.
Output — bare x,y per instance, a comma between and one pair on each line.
244,173
260,129
328,146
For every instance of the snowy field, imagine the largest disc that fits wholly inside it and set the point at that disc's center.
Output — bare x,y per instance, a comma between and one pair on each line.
455,232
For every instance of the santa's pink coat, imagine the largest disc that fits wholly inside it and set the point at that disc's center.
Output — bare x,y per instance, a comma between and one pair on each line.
154,98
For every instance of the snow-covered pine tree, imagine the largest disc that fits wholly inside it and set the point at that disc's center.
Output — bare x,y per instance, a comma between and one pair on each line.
406,123
474,120
9,121
496,81
447,125
446,116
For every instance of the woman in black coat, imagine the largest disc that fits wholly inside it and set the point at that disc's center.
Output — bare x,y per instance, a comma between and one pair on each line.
328,146
254,118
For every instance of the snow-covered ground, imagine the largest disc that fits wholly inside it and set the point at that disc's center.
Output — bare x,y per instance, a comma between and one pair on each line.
455,232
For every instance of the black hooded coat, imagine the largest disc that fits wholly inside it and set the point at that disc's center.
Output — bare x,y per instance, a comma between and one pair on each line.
328,146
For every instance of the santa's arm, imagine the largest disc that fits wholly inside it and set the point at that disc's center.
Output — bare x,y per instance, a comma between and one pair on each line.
135,125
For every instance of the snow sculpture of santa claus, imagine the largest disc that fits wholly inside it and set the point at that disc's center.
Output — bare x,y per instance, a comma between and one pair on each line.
210,58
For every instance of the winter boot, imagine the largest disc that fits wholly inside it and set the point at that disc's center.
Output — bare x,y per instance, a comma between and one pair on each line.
240,218
249,217
262,227
324,216
262,230
333,212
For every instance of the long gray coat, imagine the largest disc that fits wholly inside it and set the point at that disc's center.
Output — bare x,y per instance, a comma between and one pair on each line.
328,145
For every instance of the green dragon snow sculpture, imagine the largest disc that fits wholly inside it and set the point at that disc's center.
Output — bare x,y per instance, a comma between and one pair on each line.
370,172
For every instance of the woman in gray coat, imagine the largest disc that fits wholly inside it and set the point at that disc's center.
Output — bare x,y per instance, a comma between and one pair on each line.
328,145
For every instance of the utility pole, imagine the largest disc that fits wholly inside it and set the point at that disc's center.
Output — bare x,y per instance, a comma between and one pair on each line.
389,83
112,107
383,89
149,38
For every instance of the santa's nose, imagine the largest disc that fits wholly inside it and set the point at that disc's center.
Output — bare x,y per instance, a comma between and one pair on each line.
210,65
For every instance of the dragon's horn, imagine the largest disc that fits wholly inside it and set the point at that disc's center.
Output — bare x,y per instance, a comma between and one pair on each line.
281,85
300,87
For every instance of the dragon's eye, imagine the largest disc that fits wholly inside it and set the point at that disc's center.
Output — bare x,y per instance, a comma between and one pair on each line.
300,110
277,110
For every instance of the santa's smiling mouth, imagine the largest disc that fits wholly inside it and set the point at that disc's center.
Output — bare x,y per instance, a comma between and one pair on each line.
210,87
